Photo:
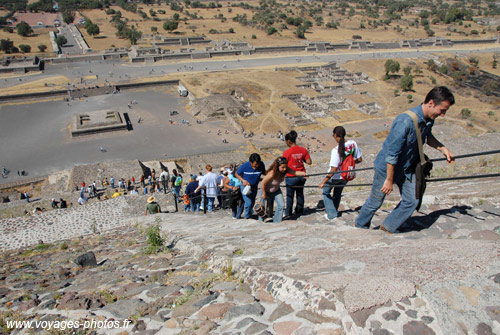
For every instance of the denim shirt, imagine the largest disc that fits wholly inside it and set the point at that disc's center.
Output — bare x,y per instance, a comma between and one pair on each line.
400,147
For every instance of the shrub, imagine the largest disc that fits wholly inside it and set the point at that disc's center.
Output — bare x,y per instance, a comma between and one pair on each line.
406,83
357,37
170,25
61,40
42,47
465,113
254,37
154,239
271,30
25,48
433,80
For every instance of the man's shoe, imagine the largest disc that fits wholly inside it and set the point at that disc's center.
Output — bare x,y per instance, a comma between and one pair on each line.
384,230
326,217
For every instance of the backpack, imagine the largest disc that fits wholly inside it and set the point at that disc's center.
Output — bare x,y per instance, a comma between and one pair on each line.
178,181
347,165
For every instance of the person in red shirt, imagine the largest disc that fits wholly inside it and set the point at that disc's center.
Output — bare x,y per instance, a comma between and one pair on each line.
296,156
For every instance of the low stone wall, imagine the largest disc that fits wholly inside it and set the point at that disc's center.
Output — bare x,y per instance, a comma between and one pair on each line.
33,95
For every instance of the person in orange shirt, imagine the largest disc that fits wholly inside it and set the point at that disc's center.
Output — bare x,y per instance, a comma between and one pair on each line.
187,203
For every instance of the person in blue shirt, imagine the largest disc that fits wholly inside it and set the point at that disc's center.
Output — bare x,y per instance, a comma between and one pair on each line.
396,162
194,197
249,174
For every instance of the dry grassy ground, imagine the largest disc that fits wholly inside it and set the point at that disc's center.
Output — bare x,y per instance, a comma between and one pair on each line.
39,85
207,21
39,36
220,19
476,101
264,90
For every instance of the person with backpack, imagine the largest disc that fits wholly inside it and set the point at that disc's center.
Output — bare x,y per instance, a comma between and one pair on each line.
175,183
296,156
343,158
397,162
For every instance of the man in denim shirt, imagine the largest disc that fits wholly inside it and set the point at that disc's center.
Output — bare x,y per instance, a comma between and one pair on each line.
396,162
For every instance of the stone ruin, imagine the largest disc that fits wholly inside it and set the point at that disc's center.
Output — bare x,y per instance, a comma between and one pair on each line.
321,106
371,108
97,122
331,98
221,107
299,120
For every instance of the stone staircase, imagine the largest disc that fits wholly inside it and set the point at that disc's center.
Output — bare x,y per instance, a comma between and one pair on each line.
441,276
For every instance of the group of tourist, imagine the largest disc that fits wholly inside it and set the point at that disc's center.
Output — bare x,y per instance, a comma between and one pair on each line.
237,187
395,164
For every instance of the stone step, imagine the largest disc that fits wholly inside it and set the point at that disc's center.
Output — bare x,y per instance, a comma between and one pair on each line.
358,273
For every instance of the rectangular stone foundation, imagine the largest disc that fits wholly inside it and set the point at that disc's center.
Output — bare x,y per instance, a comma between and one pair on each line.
97,122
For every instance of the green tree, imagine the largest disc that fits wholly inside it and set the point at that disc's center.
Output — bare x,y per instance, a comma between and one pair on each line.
443,69
431,65
24,29
61,40
407,70
406,82
301,31
170,25
391,66
68,16
93,29
6,45
154,29
25,48
42,47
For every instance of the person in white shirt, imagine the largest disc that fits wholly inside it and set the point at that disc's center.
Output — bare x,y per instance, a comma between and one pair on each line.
209,181
335,180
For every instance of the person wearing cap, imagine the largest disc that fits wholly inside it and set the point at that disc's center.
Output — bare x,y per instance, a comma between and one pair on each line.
53,203
152,206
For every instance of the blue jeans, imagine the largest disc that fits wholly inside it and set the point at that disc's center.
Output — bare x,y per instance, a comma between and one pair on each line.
236,205
249,201
400,214
291,192
332,201
176,190
273,197
210,204
195,205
